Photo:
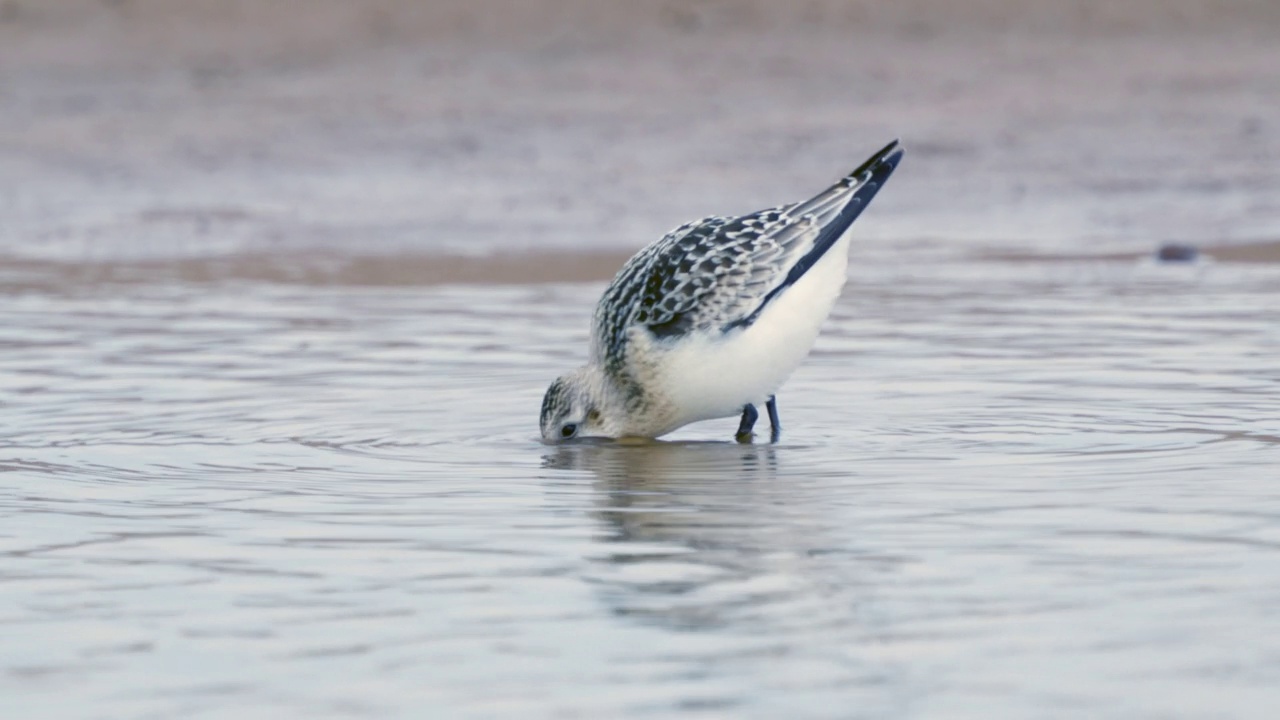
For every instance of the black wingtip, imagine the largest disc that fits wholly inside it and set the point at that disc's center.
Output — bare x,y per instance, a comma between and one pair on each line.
890,155
896,150
869,178
879,166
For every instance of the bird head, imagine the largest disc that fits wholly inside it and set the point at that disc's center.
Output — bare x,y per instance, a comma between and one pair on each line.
571,407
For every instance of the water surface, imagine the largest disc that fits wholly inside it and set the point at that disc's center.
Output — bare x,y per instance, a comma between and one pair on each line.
1010,487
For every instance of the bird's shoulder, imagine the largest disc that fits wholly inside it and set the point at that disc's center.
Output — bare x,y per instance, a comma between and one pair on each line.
700,276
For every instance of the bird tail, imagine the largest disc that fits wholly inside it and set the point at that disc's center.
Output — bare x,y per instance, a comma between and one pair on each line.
854,191
832,211
835,208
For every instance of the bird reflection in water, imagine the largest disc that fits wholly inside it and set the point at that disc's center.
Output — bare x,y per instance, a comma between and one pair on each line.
700,536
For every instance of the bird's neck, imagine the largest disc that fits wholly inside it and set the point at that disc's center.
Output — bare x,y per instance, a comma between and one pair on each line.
625,408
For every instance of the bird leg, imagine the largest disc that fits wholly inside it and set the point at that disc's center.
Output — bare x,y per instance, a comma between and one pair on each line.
775,425
749,417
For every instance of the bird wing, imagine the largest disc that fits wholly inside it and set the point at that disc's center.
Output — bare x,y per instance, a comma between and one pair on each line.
718,273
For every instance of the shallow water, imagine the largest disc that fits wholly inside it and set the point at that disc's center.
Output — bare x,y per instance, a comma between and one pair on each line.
280,294
1006,488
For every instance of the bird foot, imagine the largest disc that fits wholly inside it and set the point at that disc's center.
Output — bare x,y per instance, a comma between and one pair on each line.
775,425
749,417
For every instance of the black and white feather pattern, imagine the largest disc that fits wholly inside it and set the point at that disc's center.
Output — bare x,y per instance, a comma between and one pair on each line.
715,275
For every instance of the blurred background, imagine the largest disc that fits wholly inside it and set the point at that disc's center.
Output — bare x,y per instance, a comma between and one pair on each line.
164,129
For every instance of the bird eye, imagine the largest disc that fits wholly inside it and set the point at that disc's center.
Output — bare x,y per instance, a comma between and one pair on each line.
569,430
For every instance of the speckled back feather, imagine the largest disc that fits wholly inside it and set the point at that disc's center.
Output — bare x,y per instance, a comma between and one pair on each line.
717,273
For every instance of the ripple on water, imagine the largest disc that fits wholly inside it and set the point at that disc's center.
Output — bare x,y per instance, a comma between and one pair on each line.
1033,487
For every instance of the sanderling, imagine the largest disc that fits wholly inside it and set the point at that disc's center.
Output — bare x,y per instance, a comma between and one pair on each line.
710,320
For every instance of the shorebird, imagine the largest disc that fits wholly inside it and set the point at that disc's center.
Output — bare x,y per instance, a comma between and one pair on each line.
710,320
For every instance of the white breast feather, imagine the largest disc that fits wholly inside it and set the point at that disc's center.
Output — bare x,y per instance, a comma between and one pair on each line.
713,377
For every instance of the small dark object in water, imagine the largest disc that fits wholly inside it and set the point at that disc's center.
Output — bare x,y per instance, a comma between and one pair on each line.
1176,252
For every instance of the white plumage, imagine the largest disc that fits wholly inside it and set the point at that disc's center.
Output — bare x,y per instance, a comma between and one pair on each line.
709,321
715,377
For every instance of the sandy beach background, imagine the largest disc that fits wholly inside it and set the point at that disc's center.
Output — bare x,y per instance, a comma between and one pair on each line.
293,139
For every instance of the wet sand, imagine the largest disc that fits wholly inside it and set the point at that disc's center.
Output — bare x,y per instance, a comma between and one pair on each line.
136,130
